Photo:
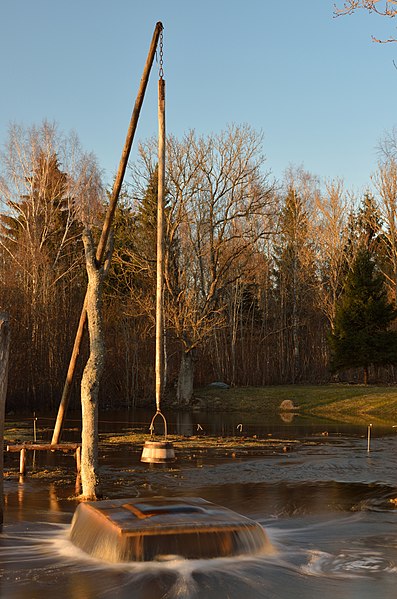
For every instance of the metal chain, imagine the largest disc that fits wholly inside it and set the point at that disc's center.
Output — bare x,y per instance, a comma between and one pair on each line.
161,69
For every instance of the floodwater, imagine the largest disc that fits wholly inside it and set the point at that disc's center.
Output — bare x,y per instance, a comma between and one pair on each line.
328,506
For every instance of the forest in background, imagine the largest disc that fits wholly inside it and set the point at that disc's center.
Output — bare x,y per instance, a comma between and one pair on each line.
254,268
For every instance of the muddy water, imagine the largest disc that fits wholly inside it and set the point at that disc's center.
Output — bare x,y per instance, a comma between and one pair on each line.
327,506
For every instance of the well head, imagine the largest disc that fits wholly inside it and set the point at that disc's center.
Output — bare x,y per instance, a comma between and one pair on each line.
154,528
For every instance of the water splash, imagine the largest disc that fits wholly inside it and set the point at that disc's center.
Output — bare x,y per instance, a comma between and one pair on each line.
348,564
44,556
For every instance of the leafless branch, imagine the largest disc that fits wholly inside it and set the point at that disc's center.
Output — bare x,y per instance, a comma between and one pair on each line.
384,8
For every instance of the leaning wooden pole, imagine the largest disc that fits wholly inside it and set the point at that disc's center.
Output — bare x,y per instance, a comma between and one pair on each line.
159,370
106,228
4,356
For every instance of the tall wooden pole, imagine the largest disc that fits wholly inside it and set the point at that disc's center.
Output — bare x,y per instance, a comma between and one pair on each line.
106,228
4,356
160,246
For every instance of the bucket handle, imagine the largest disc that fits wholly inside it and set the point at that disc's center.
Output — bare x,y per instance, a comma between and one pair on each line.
151,427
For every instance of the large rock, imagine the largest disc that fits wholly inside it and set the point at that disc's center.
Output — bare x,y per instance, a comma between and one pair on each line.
219,385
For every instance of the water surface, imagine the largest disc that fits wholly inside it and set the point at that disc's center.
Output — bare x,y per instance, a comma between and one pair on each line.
326,504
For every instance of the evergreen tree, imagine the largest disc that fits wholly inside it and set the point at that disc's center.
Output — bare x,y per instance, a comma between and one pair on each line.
364,227
133,269
361,335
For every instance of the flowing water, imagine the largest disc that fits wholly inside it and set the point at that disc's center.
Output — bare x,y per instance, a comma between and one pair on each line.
328,507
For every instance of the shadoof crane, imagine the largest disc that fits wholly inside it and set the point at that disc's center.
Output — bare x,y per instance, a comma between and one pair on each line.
100,253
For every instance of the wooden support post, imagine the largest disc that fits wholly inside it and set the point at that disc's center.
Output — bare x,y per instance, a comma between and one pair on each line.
4,357
101,250
78,459
159,369
23,449
34,427
43,447
22,461
69,377
77,486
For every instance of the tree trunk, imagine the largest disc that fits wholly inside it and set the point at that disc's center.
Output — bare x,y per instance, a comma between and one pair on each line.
4,353
185,379
92,375
365,375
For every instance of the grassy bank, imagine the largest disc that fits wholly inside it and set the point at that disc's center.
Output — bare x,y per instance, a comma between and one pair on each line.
349,403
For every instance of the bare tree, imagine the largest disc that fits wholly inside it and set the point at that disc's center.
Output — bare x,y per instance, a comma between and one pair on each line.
218,206
44,175
388,146
385,181
222,210
331,235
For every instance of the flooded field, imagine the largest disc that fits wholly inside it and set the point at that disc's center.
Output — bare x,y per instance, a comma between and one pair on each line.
326,503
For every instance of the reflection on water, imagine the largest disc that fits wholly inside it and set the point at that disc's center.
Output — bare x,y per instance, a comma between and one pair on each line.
327,507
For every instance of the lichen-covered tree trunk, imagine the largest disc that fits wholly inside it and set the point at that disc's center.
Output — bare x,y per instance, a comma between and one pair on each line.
185,379
92,375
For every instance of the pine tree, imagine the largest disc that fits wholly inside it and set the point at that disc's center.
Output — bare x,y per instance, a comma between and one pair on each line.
133,269
361,335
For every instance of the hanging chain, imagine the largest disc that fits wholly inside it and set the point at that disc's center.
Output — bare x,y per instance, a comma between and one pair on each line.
161,69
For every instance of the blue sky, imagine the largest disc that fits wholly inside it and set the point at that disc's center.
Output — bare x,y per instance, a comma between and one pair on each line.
320,90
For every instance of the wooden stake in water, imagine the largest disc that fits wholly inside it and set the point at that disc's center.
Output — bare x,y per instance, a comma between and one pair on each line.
34,437
34,427
369,438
